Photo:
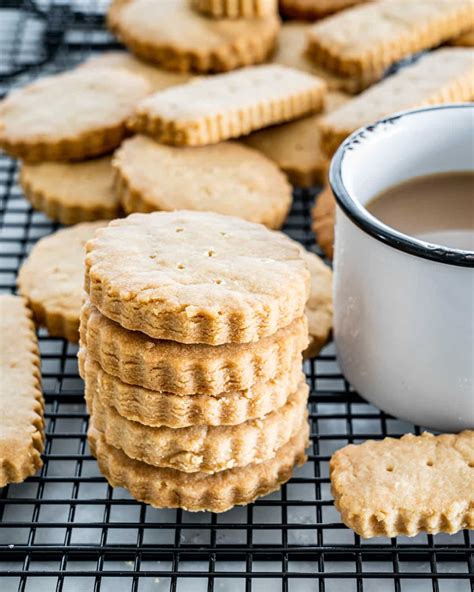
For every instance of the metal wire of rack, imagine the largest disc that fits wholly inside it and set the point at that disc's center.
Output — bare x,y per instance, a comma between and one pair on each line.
67,529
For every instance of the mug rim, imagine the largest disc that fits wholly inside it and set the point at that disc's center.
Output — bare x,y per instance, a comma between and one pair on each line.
369,223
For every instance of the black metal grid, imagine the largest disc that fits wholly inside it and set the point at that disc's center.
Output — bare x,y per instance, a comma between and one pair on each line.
66,529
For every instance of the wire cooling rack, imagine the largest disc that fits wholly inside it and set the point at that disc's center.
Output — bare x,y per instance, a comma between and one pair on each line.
66,530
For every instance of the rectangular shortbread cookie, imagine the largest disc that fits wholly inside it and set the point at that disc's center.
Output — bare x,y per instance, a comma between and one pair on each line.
442,76
21,401
228,105
402,487
235,8
374,36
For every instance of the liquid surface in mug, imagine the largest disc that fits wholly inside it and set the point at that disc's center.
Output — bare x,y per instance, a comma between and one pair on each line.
435,208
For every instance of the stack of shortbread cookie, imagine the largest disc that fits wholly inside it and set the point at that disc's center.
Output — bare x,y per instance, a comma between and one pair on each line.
191,348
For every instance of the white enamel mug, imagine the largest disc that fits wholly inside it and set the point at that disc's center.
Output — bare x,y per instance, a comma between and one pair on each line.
404,308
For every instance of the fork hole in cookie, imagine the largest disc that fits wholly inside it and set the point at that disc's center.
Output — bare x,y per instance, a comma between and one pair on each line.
180,266
211,253
471,464
429,463
390,468
218,282
179,229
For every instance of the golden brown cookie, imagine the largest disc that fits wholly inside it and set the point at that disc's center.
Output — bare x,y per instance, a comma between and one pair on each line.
226,178
464,40
178,38
156,409
157,78
187,369
41,121
291,51
314,9
319,308
403,487
169,488
442,76
229,105
373,36
203,448
235,8
196,277
324,216
296,146
52,277
21,400
72,192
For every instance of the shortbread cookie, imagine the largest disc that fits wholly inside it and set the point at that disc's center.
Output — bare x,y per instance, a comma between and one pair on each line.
296,146
226,178
196,277
291,51
235,8
228,105
184,369
41,121
403,487
177,37
203,448
442,76
156,409
374,36
324,216
52,279
21,400
72,192
314,9
319,308
169,488
157,78
464,40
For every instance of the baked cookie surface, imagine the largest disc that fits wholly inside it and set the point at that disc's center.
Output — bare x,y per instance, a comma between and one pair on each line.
441,76
314,9
169,488
197,43
196,277
52,278
235,8
163,408
72,192
157,78
296,146
373,36
323,219
228,105
403,487
226,178
21,399
40,121
207,449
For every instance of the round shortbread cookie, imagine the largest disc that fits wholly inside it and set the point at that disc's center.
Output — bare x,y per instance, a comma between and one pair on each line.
186,369
324,214
169,488
52,279
72,192
157,78
156,409
202,448
173,35
70,116
196,277
226,178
